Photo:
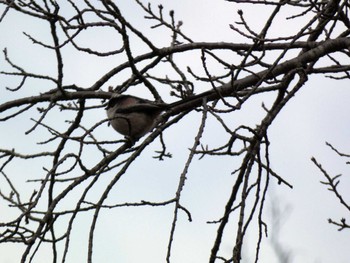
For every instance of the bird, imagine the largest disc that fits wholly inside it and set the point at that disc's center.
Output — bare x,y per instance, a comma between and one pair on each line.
132,116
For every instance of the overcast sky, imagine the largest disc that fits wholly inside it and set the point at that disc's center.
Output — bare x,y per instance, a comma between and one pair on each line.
319,113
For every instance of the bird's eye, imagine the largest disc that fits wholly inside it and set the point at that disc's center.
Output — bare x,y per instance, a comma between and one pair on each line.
112,102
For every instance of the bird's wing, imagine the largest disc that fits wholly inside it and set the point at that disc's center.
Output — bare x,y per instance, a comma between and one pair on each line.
142,107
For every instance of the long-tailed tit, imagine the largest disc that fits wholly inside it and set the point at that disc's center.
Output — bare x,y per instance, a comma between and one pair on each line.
133,116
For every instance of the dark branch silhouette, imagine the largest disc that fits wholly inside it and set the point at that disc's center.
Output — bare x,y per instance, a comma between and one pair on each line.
277,67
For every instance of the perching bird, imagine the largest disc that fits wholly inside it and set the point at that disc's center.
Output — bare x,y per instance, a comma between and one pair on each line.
133,116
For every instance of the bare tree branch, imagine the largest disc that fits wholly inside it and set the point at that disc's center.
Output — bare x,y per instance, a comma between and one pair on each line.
217,79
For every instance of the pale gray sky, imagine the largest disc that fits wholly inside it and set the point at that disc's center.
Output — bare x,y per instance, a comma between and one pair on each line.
317,114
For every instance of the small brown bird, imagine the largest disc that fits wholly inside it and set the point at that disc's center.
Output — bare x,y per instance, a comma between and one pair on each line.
133,116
